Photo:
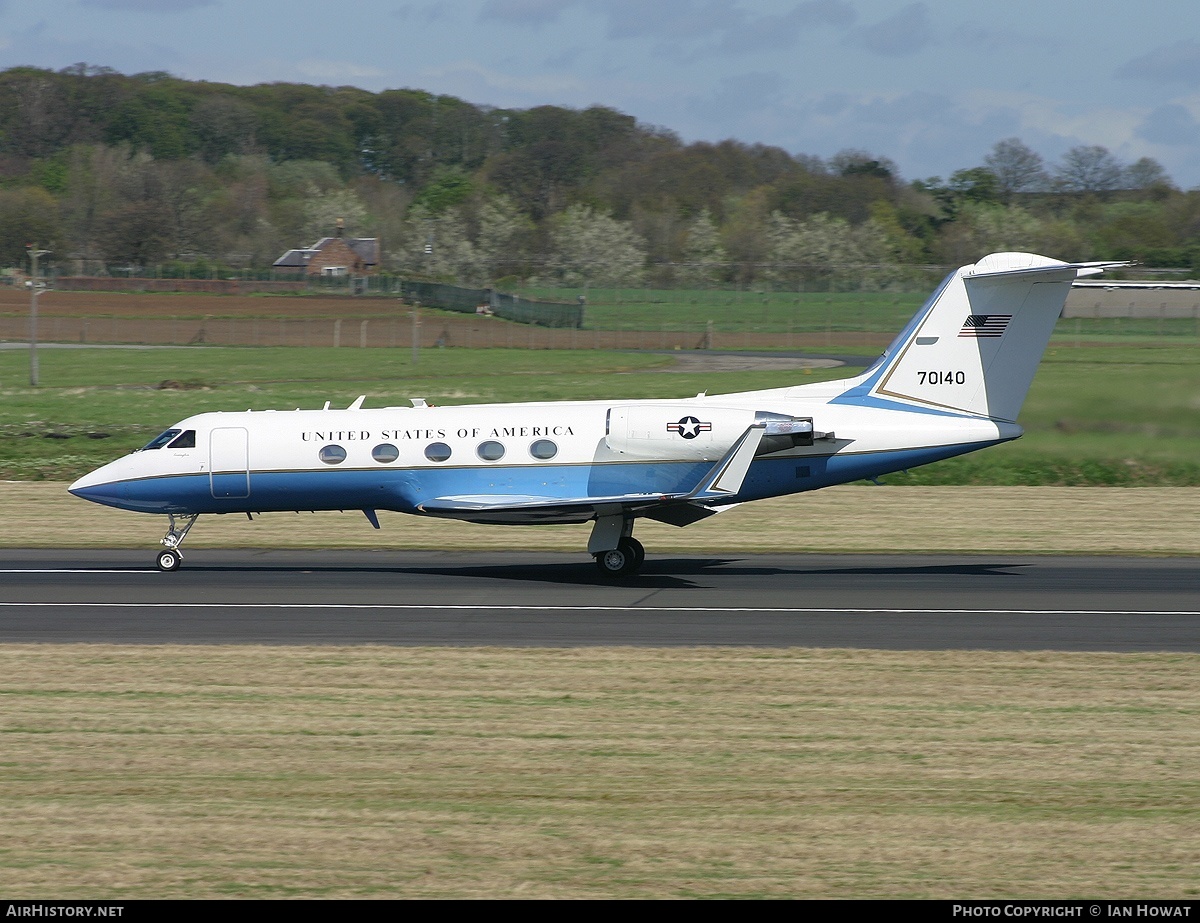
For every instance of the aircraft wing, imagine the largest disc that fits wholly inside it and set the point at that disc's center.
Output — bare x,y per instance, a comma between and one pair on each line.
507,508
715,488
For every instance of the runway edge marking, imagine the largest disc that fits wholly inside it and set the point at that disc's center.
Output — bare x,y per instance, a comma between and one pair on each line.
567,608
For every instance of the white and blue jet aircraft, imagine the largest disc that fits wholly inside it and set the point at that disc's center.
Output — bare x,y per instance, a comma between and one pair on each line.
952,382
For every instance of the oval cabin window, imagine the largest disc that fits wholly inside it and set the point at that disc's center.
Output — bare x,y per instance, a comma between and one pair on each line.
490,450
332,454
385,454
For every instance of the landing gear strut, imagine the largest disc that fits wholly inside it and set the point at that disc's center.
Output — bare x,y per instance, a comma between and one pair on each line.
171,558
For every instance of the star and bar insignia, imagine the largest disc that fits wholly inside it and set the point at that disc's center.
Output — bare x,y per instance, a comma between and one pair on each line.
689,427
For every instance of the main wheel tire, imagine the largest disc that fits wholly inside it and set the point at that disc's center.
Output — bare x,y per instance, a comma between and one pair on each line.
626,558
169,560
639,552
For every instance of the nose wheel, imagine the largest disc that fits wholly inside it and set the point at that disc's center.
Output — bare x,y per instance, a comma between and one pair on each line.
169,559
627,558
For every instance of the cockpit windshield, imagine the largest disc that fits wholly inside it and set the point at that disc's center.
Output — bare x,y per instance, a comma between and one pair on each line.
159,441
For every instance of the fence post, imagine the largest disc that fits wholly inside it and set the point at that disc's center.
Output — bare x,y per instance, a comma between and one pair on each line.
416,331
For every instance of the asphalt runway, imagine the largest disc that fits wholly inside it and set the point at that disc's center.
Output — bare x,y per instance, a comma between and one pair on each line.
898,602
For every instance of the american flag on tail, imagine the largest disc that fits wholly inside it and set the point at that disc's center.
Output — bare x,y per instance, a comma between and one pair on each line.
985,325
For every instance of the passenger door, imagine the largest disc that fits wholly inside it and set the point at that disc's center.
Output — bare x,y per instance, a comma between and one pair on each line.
229,462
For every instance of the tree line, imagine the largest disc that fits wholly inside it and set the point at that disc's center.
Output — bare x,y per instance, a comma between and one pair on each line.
118,173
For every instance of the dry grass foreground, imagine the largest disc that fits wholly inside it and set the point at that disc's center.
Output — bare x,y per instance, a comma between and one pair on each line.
206,772
135,772
1034,520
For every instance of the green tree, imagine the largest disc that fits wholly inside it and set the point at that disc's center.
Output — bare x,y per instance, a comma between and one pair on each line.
1088,168
505,234
975,185
439,247
704,258
593,248
154,118
450,186
983,228
1016,168
27,215
223,125
323,211
1147,174
823,250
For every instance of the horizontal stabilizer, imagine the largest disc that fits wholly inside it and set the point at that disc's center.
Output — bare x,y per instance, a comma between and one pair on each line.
1080,269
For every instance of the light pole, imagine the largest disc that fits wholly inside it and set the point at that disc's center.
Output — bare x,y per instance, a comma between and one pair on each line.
36,287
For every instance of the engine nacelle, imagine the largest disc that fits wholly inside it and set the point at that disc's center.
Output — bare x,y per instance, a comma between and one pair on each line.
689,432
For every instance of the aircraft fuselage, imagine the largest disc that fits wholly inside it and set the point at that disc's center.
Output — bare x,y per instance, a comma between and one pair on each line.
952,381
400,458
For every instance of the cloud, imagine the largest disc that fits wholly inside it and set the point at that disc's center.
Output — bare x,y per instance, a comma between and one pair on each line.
782,31
906,33
924,133
471,80
565,58
1007,38
426,12
524,12
1172,124
316,69
1177,63
150,6
686,28
680,19
825,12
743,93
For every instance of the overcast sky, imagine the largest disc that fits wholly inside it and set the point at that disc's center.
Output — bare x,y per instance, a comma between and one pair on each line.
932,85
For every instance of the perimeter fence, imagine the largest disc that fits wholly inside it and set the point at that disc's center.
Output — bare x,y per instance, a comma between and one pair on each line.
647,319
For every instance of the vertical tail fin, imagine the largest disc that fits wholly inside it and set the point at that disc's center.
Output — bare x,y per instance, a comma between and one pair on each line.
975,347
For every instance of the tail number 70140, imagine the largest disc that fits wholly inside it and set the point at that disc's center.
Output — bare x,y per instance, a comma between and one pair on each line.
941,378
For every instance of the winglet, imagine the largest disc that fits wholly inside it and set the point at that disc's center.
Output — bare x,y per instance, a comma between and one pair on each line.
727,475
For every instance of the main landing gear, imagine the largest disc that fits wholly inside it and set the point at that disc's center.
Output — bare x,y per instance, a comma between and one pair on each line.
170,559
625,559
617,552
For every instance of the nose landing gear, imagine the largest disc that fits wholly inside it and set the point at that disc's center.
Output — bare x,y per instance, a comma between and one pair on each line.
170,559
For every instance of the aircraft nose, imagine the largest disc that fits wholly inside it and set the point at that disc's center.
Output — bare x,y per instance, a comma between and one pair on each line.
98,487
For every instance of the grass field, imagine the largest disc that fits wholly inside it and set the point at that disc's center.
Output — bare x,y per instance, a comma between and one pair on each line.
145,772
848,519
1099,415
844,321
